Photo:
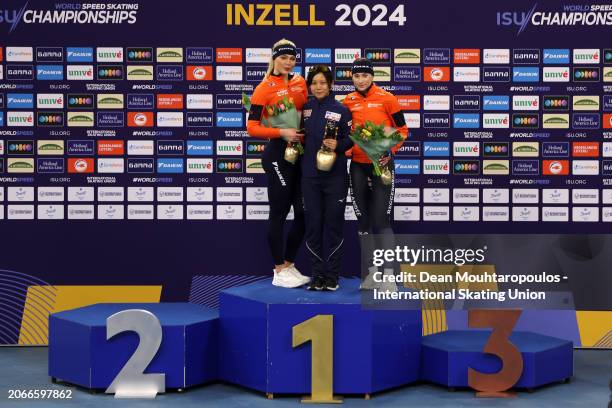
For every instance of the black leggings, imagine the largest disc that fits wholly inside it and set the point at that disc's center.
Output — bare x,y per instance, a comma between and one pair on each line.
373,203
284,190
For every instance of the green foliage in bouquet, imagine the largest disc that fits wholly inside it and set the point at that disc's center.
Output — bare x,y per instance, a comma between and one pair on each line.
281,115
375,141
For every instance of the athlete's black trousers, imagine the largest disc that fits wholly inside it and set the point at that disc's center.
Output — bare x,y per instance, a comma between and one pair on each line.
373,203
284,190
324,205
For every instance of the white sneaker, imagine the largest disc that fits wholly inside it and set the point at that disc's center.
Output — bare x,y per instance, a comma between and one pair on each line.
294,271
368,282
285,279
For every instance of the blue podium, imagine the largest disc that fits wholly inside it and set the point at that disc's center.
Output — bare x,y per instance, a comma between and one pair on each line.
80,354
373,350
446,357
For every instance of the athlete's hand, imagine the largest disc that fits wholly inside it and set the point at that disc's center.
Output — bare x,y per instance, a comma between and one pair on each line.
384,160
291,135
331,144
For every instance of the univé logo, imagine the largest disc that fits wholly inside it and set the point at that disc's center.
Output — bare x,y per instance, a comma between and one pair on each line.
50,101
347,55
109,54
80,72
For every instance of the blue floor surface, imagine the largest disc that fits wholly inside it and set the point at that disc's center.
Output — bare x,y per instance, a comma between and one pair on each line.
26,369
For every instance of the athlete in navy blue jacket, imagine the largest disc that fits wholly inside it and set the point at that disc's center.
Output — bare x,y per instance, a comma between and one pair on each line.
324,192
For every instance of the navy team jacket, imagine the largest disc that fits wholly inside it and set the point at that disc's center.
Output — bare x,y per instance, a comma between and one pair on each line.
315,115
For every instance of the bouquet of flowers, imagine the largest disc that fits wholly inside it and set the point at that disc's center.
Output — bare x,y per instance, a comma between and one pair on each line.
280,115
375,141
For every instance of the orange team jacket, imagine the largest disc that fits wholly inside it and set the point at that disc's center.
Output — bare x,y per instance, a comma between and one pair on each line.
271,90
379,107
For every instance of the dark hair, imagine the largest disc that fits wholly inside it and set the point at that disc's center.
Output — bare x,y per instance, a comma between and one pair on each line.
320,69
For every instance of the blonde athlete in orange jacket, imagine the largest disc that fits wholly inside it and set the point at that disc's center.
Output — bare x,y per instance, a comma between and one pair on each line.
284,178
372,200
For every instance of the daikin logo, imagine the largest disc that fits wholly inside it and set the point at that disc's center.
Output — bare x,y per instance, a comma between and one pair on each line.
50,72
525,74
466,120
407,166
318,55
496,102
229,119
170,165
556,56
76,54
199,147
19,101
436,149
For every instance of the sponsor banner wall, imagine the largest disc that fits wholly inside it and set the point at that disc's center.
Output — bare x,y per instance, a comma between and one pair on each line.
146,111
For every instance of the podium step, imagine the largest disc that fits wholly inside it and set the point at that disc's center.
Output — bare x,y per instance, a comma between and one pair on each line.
373,350
80,354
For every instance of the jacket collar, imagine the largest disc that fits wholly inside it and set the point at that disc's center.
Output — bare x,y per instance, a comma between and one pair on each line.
279,77
368,91
325,100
